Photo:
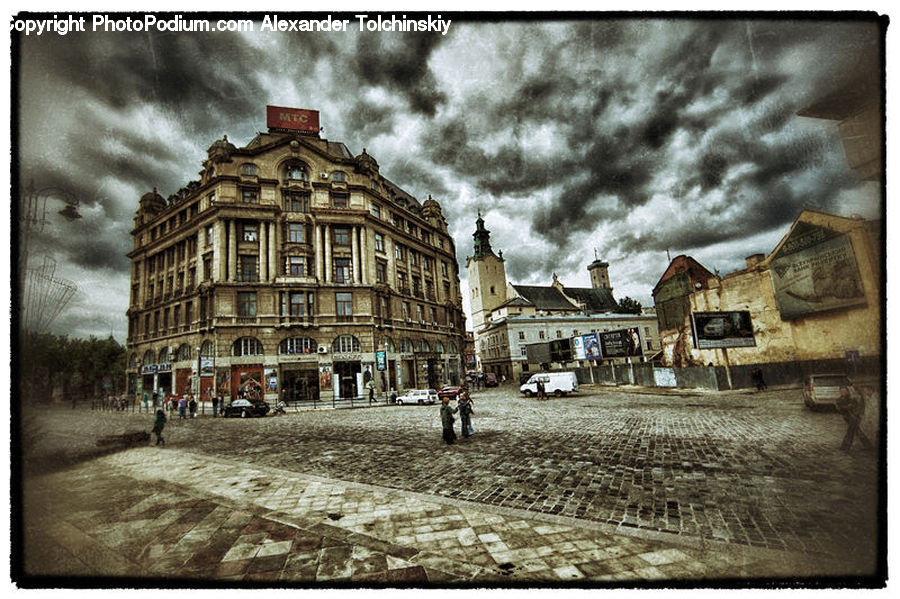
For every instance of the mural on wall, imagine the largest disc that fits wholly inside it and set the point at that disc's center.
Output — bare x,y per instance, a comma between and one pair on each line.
814,271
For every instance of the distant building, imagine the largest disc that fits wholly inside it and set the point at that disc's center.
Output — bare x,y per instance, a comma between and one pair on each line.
816,296
293,263
507,317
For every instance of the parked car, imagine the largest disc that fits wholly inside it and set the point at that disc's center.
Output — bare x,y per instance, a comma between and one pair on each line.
490,379
245,408
418,396
557,383
822,390
451,391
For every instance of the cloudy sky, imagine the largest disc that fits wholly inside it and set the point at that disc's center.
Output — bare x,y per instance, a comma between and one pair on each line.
628,137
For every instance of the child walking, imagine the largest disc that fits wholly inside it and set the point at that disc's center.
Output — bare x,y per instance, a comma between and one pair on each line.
158,425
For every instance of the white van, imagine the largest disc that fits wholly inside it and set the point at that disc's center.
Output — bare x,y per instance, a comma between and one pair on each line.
557,383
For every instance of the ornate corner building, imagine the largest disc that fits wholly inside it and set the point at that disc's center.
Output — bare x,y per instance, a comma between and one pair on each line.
296,264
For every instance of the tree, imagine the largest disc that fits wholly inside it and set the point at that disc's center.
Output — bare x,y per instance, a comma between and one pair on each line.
628,306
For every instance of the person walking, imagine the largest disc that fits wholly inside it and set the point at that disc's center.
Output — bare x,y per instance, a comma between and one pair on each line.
541,390
182,407
464,405
215,404
852,405
159,423
447,420
192,406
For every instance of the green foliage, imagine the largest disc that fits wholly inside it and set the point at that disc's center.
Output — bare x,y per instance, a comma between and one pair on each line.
79,366
628,306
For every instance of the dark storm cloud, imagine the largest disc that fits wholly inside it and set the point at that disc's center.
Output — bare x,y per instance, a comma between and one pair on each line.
401,65
367,120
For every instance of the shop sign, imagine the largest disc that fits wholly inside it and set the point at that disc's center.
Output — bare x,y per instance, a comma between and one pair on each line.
381,360
347,357
164,367
292,119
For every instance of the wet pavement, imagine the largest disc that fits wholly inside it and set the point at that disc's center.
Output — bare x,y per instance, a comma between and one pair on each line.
610,487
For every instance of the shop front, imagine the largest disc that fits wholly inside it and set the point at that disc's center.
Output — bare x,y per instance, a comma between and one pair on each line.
300,382
245,377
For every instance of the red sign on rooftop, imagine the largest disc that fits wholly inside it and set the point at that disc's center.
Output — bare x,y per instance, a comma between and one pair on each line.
292,119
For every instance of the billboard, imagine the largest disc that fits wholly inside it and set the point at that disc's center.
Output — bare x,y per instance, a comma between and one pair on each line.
586,347
814,271
561,350
621,343
538,353
292,119
722,329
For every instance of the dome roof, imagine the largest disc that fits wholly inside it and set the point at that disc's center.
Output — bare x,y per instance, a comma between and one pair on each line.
221,150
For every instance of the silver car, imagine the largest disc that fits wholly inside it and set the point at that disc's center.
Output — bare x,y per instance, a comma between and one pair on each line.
418,396
822,390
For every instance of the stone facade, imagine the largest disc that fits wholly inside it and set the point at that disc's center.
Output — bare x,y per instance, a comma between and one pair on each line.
292,262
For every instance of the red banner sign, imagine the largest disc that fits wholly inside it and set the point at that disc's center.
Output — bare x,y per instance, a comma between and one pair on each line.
294,119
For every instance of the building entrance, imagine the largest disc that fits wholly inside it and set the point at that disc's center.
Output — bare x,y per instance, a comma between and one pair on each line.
300,384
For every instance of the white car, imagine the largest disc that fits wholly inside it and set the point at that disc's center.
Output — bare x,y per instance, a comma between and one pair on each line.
418,396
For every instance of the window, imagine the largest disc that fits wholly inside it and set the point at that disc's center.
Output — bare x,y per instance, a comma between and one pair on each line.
375,210
385,306
296,233
340,200
342,270
249,268
249,169
541,335
413,257
559,334
424,348
402,285
380,271
207,268
296,172
521,335
433,313
339,177
297,303
345,344
446,290
344,302
250,232
297,345
296,202
404,309
296,266
247,346
250,196
209,235
246,303
420,313
341,236
417,286
438,347
399,252
444,269
406,346
379,242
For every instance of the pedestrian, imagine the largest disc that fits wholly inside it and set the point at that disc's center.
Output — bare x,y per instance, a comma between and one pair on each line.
852,405
159,423
192,406
758,380
371,387
182,407
215,402
464,405
541,390
447,420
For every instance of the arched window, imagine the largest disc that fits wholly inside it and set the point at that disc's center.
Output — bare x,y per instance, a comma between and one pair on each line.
424,348
339,177
207,350
438,347
296,171
247,346
386,341
297,345
133,361
183,353
406,346
163,356
453,349
249,169
149,357
345,344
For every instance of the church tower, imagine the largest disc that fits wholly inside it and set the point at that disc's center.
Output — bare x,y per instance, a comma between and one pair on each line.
487,277
599,274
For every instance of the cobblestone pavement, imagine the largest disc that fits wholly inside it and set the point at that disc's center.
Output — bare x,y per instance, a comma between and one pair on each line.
746,485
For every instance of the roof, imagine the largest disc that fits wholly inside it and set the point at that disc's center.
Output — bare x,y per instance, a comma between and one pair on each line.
595,299
544,298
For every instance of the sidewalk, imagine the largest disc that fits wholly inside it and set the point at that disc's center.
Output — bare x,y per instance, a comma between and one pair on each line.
160,516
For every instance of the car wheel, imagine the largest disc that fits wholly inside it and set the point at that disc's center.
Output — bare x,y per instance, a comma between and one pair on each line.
557,393
528,393
244,414
399,402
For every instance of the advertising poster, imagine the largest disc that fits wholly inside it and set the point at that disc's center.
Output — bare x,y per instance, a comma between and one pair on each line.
591,347
814,273
207,367
722,329
325,376
621,343
271,376
578,348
